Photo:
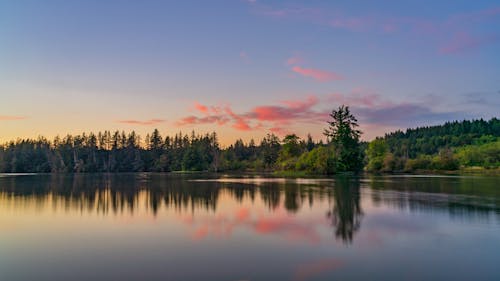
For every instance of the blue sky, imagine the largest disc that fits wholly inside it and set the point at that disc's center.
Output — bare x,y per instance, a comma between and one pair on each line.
244,68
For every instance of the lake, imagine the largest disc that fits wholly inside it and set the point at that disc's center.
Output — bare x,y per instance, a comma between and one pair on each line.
248,227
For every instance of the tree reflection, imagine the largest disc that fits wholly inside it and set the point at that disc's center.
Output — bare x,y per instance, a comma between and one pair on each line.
462,197
346,213
154,193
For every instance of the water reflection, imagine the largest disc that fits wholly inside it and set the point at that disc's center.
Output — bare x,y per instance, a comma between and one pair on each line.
464,197
346,214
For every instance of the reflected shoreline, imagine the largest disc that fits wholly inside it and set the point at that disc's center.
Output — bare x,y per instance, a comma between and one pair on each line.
126,193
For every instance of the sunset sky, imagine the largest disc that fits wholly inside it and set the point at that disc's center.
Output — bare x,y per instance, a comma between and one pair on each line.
244,68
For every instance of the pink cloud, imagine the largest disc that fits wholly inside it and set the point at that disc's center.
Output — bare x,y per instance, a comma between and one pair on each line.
302,13
390,27
475,16
371,109
462,42
11,118
200,107
144,123
280,131
193,120
317,74
354,24
239,122
303,105
360,97
272,117
430,30
241,125
294,60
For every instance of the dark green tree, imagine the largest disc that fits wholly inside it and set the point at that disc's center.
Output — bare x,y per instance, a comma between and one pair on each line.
343,134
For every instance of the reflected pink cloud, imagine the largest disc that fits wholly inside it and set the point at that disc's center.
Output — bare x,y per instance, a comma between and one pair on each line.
312,269
288,228
242,214
200,233
279,224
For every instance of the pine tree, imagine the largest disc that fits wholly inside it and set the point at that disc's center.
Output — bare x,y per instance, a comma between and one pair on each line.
344,136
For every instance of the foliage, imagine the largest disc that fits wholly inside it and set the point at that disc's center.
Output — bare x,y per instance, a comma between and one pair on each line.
344,137
446,147
320,160
485,155
429,140
106,152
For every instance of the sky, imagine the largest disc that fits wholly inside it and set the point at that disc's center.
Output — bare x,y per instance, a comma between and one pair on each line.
244,68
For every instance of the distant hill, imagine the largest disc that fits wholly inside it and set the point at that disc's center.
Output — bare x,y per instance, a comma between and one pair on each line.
448,146
429,140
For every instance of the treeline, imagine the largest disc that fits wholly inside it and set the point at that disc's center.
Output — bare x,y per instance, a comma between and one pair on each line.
446,147
110,152
121,152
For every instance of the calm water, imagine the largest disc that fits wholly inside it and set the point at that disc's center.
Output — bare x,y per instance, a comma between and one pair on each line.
199,227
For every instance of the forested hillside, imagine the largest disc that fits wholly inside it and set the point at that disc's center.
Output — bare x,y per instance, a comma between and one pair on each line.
444,147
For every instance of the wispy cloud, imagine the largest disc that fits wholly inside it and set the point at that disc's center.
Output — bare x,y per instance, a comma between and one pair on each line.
353,24
295,60
463,41
317,74
360,97
201,108
433,31
264,117
483,98
142,123
373,112
193,120
405,115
